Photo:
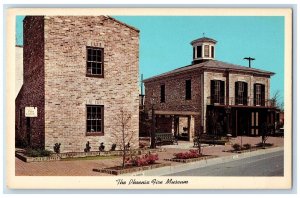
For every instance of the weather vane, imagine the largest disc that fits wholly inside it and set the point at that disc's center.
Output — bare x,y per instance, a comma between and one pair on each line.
203,34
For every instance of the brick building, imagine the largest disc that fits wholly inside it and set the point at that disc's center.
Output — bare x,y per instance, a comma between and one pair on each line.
210,96
79,71
19,69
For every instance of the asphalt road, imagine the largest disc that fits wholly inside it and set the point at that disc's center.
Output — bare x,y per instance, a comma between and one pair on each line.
270,164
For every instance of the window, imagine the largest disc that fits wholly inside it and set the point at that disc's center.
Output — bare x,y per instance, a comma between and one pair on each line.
188,90
199,51
94,119
259,94
217,91
194,52
162,94
241,93
94,61
206,50
212,51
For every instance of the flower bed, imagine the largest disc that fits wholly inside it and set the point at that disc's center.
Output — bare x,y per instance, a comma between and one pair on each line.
248,148
187,155
118,170
59,156
134,164
203,157
190,156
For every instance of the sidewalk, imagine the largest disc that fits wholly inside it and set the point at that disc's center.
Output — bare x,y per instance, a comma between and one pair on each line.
84,167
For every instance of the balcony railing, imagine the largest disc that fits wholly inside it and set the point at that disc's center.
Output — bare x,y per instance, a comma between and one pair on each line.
240,101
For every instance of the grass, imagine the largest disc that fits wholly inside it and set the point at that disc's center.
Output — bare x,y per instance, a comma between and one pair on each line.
89,158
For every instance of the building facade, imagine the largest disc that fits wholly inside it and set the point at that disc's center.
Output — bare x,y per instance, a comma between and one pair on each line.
210,96
80,72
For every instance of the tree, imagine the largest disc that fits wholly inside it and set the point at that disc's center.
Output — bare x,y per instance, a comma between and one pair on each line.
122,134
198,142
276,100
264,134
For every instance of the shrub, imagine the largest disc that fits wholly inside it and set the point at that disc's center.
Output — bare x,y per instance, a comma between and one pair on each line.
187,155
37,153
113,147
101,147
142,144
266,144
87,147
236,147
247,146
143,160
56,147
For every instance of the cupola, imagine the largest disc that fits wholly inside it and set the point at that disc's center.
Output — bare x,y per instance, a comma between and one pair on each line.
203,49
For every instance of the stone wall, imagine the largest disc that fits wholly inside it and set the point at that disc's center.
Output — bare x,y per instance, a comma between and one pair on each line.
32,92
68,90
251,79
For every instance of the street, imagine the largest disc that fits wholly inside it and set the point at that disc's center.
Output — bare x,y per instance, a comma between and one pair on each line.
262,165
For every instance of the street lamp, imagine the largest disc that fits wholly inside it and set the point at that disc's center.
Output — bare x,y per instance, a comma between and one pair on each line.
153,146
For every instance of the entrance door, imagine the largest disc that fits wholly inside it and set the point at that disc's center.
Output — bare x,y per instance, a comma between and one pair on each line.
243,121
254,124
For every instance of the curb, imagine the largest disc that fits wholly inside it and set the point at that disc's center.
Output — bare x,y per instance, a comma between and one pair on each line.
203,163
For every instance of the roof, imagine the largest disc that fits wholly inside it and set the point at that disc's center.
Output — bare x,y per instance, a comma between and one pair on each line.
122,23
212,64
113,19
204,39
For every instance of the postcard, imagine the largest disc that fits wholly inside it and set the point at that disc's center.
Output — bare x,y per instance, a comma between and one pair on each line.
149,98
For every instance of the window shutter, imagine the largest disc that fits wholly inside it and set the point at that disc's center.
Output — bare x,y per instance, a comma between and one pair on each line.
162,93
263,95
236,92
222,92
212,91
254,94
245,99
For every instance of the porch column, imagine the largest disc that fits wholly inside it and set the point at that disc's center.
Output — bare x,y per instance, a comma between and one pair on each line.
173,127
191,121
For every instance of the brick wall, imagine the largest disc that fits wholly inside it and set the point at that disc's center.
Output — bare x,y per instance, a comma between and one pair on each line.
32,92
175,95
68,90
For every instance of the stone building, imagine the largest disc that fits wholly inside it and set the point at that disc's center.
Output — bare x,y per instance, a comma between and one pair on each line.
79,72
210,96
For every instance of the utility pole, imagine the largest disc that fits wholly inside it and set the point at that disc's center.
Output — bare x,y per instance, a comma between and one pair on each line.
249,59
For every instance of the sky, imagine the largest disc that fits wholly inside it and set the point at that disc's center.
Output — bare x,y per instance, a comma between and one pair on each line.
165,42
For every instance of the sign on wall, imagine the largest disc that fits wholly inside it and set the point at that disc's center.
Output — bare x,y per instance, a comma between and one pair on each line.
30,111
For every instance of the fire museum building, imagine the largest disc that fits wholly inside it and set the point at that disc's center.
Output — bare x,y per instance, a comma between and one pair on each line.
210,96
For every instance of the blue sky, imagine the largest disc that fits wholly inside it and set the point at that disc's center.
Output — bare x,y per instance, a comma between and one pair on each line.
165,42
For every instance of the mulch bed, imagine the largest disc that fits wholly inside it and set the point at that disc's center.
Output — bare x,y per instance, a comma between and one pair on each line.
118,170
249,150
203,157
